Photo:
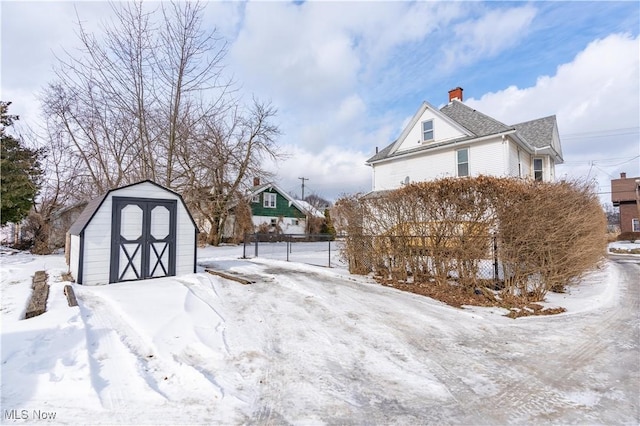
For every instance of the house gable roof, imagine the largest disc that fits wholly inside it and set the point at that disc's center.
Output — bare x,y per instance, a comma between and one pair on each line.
94,205
302,206
426,111
540,133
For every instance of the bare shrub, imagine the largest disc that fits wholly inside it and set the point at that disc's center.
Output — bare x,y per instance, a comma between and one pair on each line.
548,234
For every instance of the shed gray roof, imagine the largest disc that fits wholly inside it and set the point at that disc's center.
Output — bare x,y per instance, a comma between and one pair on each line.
92,207
538,133
86,215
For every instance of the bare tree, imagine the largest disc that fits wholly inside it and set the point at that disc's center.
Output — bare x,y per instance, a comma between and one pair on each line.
231,149
148,99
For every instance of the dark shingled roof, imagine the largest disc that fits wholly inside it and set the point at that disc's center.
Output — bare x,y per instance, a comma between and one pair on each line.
538,133
86,215
382,153
472,120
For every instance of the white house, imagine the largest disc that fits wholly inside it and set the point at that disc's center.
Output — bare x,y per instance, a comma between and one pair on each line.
135,232
457,140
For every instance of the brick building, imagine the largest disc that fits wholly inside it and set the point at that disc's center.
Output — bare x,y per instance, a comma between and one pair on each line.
625,194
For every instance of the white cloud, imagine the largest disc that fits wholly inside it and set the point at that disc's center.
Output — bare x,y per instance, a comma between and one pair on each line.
488,35
332,172
598,90
596,99
317,51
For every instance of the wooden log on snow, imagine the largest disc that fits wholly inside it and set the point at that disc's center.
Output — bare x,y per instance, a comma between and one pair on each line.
38,303
39,277
229,277
71,296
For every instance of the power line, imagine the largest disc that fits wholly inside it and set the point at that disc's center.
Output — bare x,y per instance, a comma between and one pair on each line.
622,131
604,160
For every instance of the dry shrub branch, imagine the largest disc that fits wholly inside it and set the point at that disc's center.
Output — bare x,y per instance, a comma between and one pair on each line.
478,235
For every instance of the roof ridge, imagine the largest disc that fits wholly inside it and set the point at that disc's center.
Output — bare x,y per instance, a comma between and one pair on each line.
535,119
462,104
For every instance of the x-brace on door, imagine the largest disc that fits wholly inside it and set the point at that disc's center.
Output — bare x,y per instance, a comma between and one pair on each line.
143,239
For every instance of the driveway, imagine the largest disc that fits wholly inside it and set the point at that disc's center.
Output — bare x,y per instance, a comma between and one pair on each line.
339,351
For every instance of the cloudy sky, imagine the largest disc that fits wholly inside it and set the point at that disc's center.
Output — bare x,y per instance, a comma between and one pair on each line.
346,76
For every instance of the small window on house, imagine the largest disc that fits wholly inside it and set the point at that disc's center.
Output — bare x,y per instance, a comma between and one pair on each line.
273,222
427,130
255,199
635,225
463,162
269,200
295,222
537,169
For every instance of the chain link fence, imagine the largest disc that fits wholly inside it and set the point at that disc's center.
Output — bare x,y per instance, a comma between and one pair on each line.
313,249
468,259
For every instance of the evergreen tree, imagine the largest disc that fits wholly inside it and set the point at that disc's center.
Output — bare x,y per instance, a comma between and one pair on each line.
328,224
20,172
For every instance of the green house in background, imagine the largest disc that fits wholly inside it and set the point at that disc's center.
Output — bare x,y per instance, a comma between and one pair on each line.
275,211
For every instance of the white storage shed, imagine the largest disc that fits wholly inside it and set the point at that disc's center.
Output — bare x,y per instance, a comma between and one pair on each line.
135,232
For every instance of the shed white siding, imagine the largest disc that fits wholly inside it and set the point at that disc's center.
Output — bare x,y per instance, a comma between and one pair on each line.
74,255
97,235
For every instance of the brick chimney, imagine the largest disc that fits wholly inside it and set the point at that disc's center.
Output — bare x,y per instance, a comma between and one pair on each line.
455,94
623,175
256,181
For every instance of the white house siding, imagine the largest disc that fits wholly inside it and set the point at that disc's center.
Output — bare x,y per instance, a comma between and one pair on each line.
442,131
516,154
487,158
97,234
286,226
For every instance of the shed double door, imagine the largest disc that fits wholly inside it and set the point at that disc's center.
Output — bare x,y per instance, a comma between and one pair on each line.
143,239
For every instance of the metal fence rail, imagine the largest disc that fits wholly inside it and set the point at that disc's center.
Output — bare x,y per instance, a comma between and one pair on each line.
314,249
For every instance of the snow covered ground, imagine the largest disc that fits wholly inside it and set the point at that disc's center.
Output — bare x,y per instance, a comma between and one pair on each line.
311,345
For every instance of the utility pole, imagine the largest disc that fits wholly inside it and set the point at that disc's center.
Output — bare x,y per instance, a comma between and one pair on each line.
303,179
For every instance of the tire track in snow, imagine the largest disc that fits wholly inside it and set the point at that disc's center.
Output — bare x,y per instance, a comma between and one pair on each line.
119,353
116,358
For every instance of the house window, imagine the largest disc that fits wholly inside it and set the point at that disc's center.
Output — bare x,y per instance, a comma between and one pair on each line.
255,199
635,225
427,130
269,200
463,162
274,222
294,222
537,169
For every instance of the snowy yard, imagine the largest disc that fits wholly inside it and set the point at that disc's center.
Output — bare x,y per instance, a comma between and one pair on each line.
312,345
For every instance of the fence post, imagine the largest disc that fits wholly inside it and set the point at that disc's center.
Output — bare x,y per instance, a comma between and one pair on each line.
495,258
244,247
256,237
288,246
329,240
